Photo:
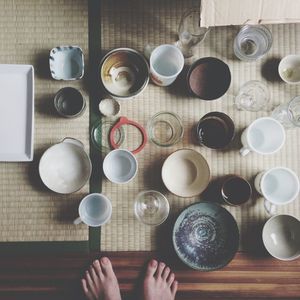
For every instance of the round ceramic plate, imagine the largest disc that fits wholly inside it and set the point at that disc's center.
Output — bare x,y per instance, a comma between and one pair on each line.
185,173
205,236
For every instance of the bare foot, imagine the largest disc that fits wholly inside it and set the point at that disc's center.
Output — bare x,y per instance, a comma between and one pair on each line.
159,282
100,282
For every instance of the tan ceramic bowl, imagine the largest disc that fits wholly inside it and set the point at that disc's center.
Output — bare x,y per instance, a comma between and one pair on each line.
281,237
185,173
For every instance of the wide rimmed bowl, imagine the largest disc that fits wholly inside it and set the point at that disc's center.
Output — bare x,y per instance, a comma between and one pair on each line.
205,236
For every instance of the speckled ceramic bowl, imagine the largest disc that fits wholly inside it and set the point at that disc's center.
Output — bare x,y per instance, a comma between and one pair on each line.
205,236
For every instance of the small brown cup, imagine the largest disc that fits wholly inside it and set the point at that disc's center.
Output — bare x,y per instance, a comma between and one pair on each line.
234,190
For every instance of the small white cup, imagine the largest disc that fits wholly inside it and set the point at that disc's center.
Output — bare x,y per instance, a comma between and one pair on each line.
94,210
166,63
278,186
264,136
289,69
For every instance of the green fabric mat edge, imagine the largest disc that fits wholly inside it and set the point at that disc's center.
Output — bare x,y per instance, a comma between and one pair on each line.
94,15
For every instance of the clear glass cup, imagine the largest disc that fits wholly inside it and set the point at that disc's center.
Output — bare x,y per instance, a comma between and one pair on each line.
253,96
151,207
288,114
165,129
252,42
190,32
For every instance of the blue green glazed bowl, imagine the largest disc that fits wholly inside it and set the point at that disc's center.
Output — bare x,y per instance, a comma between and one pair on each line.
205,236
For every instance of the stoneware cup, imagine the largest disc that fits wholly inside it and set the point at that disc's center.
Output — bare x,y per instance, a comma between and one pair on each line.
94,210
278,186
281,237
166,63
289,69
263,136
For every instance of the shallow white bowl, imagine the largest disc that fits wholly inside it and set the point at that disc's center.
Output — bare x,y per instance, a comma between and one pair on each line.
66,63
120,166
185,173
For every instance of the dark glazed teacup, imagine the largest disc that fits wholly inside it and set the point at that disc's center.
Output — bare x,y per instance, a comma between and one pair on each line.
208,78
215,130
234,190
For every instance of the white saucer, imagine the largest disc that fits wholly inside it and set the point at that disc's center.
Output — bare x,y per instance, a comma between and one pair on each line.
185,173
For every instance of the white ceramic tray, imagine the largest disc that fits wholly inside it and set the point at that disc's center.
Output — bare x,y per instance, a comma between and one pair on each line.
16,112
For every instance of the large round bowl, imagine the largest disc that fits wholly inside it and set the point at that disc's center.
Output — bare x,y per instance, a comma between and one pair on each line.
124,73
65,167
205,236
185,173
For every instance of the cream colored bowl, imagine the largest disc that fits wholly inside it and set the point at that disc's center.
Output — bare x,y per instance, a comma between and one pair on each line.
281,237
185,173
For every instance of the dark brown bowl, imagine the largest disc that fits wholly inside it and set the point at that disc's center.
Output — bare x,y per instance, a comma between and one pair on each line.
208,78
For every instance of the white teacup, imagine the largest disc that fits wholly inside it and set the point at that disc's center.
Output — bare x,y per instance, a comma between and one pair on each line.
94,210
278,185
289,69
166,63
264,136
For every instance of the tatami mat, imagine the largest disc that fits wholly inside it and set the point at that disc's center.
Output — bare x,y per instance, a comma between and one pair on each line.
28,31
134,24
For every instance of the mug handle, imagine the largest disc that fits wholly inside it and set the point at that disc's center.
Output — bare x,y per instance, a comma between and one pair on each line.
244,151
73,141
77,221
269,207
148,49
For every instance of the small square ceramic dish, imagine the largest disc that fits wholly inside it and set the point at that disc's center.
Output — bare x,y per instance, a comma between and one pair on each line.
66,63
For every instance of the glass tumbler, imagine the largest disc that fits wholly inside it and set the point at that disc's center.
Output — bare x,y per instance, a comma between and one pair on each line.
288,114
151,207
252,42
165,129
190,32
253,96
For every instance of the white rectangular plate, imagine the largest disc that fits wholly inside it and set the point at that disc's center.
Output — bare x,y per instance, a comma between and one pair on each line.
16,112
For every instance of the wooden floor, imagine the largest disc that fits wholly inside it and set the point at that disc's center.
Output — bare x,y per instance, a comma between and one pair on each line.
57,277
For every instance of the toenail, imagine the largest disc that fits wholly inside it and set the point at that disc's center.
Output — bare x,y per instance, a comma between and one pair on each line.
104,260
153,263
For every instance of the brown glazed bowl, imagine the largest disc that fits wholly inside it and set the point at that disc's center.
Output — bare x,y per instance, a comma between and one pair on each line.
208,78
124,73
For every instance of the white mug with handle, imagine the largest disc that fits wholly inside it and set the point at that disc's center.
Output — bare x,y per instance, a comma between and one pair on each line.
94,210
264,136
279,186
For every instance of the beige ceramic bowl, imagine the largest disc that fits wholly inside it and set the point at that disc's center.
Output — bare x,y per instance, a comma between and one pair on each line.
281,237
185,173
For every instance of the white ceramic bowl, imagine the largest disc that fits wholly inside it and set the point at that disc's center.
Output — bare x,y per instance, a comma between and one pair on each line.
65,167
289,69
120,166
66,63
185,173
281,237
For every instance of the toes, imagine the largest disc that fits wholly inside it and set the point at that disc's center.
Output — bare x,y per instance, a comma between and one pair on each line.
171,278
160,269
152,267
106,266
174,287
97,267
86,291
90,284
93,275
166,273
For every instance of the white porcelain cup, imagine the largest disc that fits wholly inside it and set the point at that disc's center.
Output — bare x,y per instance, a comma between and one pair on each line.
289,69
166,63
264,136
278,186
94,210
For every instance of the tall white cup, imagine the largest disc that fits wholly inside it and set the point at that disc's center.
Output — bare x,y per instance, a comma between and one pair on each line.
94,210
264,136
278,186
166,63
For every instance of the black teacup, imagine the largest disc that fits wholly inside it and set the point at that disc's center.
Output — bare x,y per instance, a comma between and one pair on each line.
235,190
215,130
